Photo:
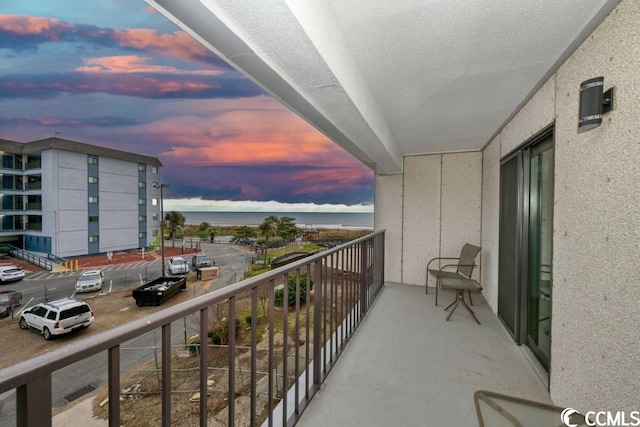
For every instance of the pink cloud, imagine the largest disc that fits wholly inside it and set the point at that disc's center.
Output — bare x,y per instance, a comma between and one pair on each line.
25,25
134,64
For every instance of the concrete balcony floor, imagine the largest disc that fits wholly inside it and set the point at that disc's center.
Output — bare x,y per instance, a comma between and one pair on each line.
408,366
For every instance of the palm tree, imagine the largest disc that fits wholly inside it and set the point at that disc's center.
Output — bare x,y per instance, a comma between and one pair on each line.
269,228
212,233
175,221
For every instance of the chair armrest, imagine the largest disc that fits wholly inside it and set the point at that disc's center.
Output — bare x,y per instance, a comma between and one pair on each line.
439,258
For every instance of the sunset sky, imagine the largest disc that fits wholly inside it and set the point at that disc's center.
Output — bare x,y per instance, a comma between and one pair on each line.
115,73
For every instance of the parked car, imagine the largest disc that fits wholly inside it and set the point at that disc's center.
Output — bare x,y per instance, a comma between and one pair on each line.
201,260
9,299
177,265
57,317
11,273
90,280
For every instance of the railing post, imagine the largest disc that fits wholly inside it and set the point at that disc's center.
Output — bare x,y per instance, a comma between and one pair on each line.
114,386
363,278
33,403
317,324
166,375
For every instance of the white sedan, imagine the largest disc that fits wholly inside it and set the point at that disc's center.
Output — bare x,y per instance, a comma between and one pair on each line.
177,265
11,273
90,280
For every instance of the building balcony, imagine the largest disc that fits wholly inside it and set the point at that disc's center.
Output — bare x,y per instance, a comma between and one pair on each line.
407,365
369,352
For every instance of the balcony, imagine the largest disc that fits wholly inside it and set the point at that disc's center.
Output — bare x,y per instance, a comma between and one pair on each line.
405,364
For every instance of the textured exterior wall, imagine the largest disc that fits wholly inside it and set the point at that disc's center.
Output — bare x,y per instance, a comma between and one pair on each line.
436,204
596,298
490,222
531,119
461,196
421,216
595,358
388,216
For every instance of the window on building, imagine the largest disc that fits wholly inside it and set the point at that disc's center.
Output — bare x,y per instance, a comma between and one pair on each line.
142,218
155,217
154,201
154,169
93,219
142,234
155,233
142,184
93,180
142,167
93,199
93,239
142,201
93,160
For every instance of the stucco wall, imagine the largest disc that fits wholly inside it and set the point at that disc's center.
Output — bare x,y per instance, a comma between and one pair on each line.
388,216
431,210
596,299
490,222
595,353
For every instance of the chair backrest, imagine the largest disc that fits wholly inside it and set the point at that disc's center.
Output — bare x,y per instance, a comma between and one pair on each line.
467,259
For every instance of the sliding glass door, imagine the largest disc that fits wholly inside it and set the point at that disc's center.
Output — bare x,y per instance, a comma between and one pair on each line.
525,254
540,252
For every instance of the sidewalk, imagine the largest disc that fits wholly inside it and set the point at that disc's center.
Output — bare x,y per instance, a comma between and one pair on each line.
130,257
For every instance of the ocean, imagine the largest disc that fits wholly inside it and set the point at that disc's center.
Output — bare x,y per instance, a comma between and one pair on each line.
349,220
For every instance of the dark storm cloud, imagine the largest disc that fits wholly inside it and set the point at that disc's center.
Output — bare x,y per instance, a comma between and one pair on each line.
265,183
105,121
140,85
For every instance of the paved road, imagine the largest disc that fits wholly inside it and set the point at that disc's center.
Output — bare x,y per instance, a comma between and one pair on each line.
92,372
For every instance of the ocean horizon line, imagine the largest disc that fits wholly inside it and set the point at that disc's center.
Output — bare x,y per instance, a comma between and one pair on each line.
347,220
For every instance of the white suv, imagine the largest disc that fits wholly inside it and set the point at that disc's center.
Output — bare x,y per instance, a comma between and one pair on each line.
57,317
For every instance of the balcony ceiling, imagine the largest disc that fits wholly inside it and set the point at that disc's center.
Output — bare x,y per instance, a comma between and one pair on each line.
389,78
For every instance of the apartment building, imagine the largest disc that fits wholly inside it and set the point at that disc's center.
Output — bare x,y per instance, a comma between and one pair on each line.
69,198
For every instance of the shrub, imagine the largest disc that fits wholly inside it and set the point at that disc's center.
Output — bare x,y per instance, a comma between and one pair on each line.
219,331
279,294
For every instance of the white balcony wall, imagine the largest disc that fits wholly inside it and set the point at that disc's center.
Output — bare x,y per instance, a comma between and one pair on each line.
594,354
436,205
490,222
388,215
597,225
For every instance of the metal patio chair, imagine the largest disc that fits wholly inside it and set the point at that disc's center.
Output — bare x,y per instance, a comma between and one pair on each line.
463,268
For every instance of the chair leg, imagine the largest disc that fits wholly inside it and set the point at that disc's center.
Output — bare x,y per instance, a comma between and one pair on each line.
470,300
437,286
455,305
470,311
449,306
426,287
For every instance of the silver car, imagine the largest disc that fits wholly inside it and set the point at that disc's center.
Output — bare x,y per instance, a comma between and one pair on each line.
90,280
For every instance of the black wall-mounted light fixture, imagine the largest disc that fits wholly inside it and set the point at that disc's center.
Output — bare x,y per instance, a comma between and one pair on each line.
593,103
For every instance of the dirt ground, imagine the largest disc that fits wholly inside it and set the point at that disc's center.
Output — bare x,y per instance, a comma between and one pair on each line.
109,310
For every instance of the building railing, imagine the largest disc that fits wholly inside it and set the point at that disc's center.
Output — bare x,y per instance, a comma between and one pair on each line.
30,257
303,338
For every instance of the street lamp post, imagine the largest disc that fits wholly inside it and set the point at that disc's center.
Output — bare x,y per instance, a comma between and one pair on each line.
161,186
